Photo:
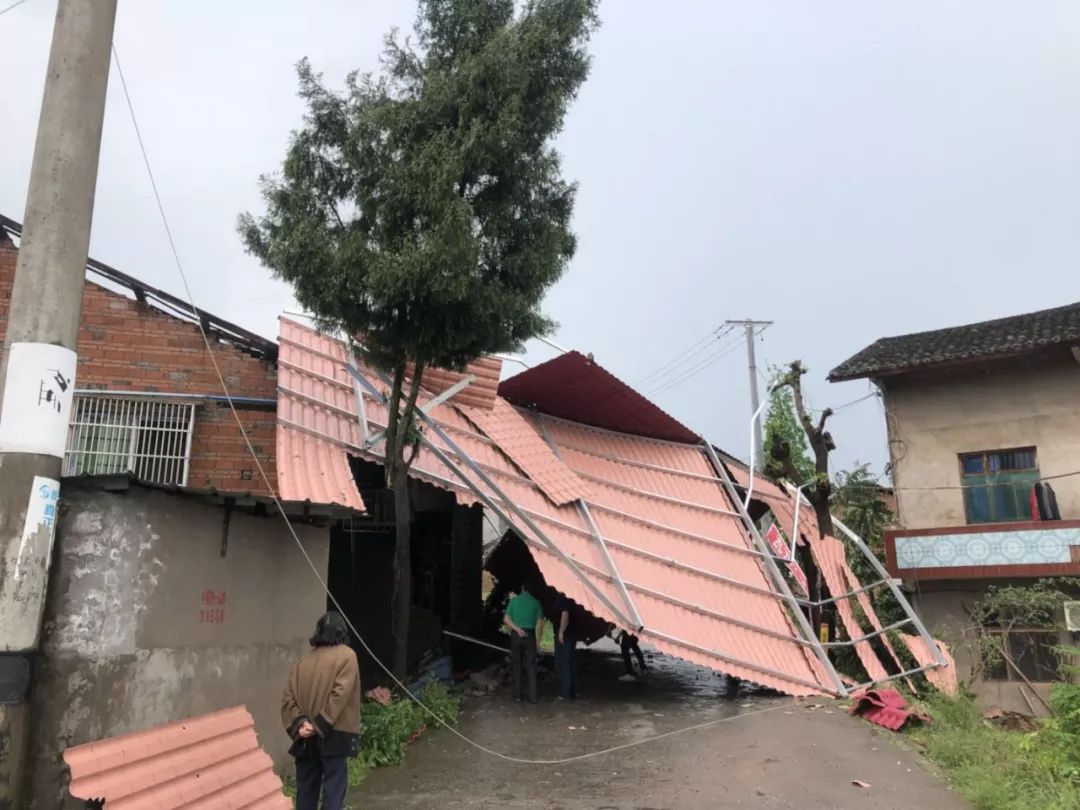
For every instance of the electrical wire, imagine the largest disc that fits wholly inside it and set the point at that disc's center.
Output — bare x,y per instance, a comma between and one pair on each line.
681,359
299,544
711,360
12,7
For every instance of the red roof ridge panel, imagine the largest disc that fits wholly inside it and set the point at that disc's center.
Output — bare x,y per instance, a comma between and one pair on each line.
574,387
519,440
191,763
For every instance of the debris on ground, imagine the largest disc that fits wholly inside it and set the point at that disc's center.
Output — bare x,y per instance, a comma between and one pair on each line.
1010,721
381,695
886,708
860,784
487,681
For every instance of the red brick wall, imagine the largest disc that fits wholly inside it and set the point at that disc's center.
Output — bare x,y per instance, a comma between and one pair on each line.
126,346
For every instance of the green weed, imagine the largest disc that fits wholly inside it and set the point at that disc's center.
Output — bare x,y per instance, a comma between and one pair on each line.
997,769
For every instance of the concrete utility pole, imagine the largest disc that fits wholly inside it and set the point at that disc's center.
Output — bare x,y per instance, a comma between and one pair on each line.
755,403
37,368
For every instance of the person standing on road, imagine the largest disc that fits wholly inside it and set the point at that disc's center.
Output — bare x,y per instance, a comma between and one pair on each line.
525,618
320,710
566,639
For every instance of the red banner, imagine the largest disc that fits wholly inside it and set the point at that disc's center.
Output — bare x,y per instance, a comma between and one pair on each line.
780,549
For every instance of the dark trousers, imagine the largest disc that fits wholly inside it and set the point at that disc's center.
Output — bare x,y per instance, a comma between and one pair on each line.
628,646
566,664
331,774
523,664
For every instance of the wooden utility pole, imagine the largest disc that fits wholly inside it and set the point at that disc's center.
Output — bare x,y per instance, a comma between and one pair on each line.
751,328
37,367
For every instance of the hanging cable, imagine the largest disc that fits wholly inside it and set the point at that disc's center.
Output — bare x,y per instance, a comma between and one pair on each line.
299,544
685,357
711,360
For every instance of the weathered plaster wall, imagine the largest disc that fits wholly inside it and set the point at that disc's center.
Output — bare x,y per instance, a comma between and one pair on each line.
944,608
931,422
148,623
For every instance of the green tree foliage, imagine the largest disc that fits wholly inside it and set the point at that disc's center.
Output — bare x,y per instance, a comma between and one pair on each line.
782,428
858,500
423,211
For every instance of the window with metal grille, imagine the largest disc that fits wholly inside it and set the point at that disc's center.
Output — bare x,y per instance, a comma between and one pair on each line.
148,438
997,484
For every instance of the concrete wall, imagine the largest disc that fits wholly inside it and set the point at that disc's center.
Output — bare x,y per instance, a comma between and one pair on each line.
944,608
148,623
933,420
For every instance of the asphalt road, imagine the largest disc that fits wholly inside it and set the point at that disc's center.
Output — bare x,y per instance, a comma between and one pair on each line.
768,752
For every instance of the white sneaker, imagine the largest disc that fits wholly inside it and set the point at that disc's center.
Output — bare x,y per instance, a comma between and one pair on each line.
627,678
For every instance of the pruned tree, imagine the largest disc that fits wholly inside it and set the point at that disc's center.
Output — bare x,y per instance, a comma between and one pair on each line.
784,434
423,211
821,444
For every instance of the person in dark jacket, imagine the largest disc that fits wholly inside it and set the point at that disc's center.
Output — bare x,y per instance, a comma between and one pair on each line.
566,639
320,710
628,644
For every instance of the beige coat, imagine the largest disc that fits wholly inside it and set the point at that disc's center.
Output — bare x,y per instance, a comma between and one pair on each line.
324,687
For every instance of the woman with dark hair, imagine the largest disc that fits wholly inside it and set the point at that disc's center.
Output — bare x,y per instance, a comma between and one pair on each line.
321,713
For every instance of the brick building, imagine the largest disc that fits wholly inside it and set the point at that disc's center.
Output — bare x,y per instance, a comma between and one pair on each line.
175,587
148,398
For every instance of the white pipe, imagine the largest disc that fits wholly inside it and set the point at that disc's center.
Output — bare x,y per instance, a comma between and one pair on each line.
753,452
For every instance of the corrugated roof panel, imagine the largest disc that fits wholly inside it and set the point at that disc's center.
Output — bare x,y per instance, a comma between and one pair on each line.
528,450
662,516
572,386
658,503
480,393
313,420
210,761
829,555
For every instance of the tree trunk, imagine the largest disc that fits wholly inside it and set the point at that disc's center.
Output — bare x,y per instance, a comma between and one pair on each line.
402,572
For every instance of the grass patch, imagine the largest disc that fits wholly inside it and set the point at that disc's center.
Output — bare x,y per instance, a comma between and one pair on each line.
996,769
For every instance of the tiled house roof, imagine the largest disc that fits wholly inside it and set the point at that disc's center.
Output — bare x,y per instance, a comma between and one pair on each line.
1004,336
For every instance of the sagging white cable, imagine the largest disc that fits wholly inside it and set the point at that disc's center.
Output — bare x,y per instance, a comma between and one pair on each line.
300,545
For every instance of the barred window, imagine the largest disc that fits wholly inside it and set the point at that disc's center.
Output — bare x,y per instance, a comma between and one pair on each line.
149,438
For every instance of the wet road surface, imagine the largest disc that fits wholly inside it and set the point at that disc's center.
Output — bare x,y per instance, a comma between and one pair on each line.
770,752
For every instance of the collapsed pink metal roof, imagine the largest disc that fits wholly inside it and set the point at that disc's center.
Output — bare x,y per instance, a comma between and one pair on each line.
640,531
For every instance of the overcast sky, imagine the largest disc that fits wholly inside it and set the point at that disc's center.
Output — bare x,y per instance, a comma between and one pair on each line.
848,170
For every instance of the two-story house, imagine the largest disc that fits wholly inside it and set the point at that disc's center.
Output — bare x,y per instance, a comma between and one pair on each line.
976,416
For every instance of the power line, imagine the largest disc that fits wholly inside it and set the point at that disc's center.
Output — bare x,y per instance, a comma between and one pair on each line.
711,360
303,551
672,365
12,7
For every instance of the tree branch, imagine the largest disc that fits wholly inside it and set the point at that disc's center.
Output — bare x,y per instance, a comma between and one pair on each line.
825,414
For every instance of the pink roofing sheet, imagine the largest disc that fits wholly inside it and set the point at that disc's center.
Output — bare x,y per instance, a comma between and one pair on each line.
829,555
669,528
210,761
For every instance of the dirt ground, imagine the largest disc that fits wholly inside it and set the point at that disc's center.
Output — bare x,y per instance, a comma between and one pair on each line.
770,752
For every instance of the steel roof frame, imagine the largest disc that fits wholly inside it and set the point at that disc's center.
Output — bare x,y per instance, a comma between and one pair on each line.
541,540
774,572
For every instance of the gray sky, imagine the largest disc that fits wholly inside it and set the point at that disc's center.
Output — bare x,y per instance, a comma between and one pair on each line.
848,170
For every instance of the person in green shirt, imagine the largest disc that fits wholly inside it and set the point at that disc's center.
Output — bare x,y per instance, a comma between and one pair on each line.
525,620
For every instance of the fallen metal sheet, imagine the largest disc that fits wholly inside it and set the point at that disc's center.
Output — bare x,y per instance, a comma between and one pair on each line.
828,553
886,708
677,543
944,678
213,760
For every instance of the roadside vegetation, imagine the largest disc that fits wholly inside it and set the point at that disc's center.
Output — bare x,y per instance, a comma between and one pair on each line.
1033,768
998,769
